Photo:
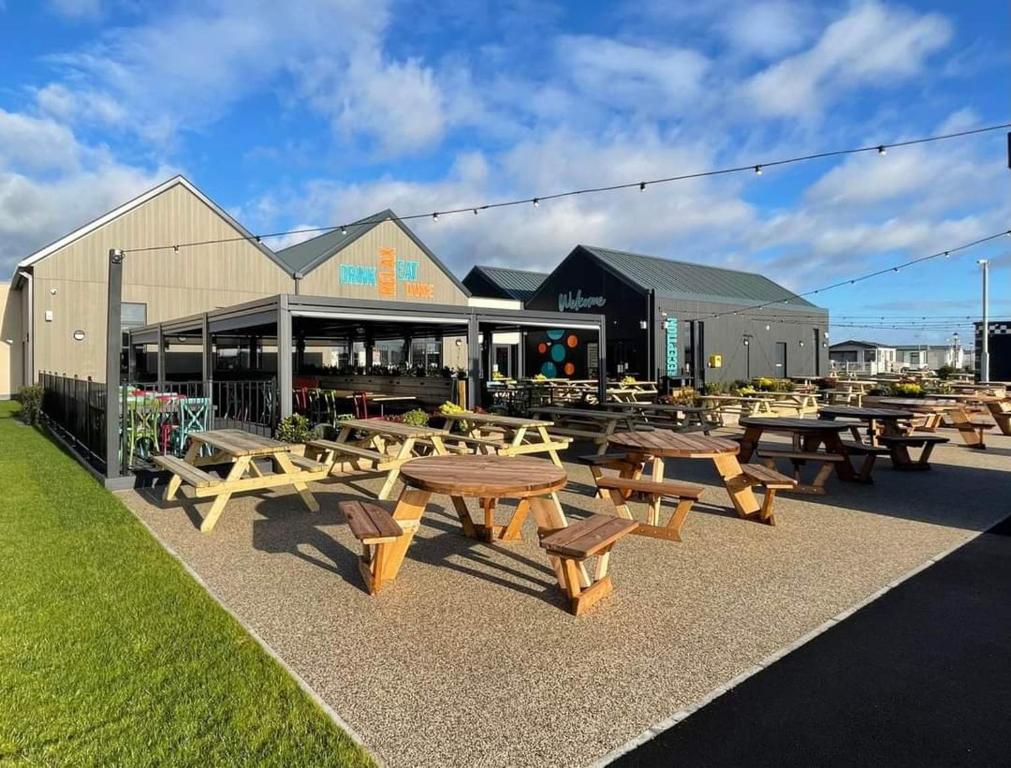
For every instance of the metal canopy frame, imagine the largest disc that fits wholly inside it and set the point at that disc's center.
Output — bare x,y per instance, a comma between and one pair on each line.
280,310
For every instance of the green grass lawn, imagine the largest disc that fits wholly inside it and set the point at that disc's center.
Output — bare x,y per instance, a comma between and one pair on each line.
110,654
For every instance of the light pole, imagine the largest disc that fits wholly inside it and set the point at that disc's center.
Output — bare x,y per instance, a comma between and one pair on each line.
746,338
984,359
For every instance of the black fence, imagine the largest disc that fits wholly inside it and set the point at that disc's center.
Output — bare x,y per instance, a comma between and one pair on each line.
75,408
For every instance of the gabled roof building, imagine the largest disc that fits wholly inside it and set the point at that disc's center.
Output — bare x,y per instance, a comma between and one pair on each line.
503,283
681,321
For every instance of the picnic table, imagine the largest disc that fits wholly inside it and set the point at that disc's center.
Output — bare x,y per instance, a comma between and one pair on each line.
741,404
878,420
806,435
505,435
386,445
586,424
660,444
241,450
676,414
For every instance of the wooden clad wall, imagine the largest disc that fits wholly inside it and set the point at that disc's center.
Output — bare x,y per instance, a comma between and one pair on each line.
11,341
325,280
71,283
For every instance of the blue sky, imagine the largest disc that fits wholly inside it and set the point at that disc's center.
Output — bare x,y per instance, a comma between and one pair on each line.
326,111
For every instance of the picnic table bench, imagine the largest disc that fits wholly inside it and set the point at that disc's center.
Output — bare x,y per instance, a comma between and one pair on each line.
595,426
517,436
671,415
241,450
386,445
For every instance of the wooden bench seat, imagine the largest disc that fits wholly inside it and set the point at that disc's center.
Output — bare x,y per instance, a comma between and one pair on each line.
592,537
899,446
186,472
303,462
336,450
798,459
376,529
757,475
619,489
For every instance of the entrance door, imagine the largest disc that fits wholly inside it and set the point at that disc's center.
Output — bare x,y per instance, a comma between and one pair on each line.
781,359
503,360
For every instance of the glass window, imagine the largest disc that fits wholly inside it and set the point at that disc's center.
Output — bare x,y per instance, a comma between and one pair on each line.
133,315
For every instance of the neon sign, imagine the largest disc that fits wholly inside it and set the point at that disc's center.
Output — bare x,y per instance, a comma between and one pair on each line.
569,303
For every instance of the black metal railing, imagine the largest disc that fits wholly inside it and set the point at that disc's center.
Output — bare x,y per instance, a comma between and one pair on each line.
75,408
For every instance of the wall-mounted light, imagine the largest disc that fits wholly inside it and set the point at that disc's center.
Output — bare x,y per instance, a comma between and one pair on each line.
768,327
802,342
459,342
52,291
79,335
643,325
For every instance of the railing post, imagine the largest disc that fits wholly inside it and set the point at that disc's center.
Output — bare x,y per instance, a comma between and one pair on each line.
114,342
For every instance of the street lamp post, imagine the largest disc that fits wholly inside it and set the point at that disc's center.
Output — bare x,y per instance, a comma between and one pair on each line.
746,338
984,359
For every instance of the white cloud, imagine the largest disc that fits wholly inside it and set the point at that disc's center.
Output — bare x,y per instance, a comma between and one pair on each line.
767,28
34,144
76,9
872,45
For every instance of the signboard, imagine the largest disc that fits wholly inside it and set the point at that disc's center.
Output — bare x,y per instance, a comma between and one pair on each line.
592,358
387,274
671,326
574,302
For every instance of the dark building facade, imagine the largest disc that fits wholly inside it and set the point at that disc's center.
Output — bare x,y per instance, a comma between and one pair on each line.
660,322
1000,349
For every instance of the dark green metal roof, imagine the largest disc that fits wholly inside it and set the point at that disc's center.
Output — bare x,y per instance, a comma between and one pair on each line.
516,284
698,282
310,253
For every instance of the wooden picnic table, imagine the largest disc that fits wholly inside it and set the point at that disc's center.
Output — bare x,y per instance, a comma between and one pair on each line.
586,424
753,406
661,444
513,435
240,449
671,411
878,420
387,446
488,478
806,435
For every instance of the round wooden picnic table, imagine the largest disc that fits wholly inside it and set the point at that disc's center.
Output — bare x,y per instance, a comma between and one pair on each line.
806,434
658,444
887,418
489,478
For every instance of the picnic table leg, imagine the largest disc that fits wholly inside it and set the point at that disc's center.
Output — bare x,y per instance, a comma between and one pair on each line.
549,517
546,438
748,443
844,469
407,513
512,531
288,468
402,455
439,447
741,495
460,505
220,500
175,481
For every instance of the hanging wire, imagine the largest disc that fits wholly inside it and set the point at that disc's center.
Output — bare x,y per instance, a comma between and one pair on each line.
638,185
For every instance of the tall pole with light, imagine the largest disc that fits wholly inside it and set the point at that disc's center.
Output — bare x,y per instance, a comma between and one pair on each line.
746,338
114,343
984,357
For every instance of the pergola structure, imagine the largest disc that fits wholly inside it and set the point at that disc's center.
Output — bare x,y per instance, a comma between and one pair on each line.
293,322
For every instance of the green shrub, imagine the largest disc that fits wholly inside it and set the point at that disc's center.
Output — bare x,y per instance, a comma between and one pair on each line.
31,403
293,429
945,372
416,418
907,390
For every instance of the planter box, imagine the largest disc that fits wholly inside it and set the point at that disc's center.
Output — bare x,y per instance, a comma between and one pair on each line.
429,390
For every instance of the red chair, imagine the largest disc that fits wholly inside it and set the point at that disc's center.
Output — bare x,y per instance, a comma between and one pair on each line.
360,401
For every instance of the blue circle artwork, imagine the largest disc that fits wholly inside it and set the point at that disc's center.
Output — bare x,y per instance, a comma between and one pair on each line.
557,352
549,370
556,335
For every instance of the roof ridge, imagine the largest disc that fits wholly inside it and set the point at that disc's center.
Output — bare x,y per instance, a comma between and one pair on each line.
677,261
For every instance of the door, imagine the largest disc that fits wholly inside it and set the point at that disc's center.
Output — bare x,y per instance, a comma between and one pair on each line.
781,359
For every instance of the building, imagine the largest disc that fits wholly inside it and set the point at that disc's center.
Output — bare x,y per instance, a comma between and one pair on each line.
1000,349
55,313
661,324
503,283
866,357
929,357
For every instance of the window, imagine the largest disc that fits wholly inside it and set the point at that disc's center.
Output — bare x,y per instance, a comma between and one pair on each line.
133,315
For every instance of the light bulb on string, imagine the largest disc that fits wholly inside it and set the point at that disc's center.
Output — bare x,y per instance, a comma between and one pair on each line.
536,202
758,170
882,150
642,186
435,216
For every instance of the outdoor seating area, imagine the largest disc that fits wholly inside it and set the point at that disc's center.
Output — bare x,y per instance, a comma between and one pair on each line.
639,542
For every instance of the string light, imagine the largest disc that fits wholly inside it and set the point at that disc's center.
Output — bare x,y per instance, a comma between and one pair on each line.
878,273
596,190
882,150
344,230
642,186
175,248
536,202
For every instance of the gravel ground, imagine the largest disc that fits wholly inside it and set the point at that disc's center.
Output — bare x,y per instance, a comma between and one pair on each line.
471,659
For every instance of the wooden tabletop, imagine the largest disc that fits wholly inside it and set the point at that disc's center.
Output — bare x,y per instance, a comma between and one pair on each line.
915,404
236,442
852,412
667,407
497,477
384,427
780,424
585,413
664,442
494,418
